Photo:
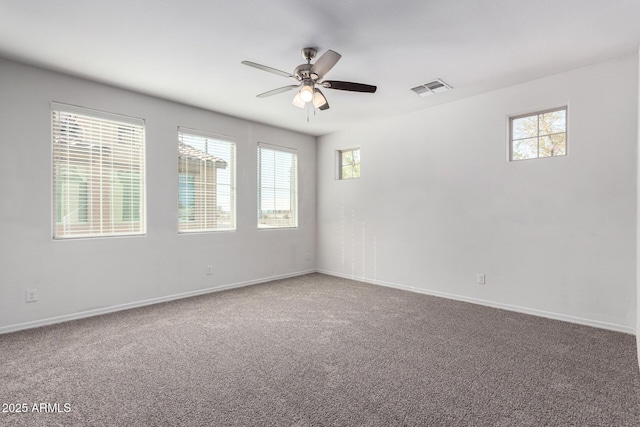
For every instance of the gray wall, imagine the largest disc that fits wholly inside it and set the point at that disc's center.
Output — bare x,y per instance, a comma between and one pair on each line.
438,201
89,276
436,204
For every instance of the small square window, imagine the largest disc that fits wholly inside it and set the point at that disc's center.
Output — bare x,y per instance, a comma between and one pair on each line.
349,163
542,134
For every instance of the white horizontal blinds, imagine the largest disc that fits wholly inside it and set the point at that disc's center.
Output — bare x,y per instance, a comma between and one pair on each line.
277,187
206,182
98,173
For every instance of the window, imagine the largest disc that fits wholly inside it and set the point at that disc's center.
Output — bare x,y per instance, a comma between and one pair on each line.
206,182
98,173
277,187
349,164
542,134
186,198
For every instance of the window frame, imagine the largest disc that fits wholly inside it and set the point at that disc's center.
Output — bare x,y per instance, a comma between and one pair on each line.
537,114
294,195
211,138
339,165
80,141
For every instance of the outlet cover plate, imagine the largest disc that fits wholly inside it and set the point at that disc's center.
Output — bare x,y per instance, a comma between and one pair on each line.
32,295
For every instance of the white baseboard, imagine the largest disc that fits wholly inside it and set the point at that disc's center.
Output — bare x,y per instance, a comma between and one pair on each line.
519,309
638,341
120,307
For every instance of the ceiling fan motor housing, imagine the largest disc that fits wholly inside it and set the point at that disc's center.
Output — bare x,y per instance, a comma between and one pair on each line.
303,72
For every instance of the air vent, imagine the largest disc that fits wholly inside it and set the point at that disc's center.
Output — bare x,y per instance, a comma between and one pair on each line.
431,88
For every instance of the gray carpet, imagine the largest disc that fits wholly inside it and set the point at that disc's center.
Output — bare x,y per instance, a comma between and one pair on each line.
318,350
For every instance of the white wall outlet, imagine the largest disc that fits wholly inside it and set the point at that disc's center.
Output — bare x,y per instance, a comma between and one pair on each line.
209,270
32,295
481,279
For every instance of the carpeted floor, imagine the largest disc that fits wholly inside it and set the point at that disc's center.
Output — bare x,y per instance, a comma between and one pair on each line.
315,351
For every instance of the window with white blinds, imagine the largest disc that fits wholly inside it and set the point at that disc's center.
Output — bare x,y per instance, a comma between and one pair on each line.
98,173
277,187
206,182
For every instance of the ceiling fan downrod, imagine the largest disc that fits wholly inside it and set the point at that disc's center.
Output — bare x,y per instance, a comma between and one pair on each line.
308,53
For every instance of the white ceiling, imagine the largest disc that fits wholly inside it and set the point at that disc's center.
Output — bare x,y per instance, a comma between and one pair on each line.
190,50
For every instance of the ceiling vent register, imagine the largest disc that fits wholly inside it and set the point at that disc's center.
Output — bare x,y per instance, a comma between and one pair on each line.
431,88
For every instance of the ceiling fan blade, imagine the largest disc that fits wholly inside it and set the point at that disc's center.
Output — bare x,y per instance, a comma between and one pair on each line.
269,70
352,87
277,91
325,63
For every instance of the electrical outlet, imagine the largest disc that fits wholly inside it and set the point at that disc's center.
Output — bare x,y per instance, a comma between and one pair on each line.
32,295
209,270
482,279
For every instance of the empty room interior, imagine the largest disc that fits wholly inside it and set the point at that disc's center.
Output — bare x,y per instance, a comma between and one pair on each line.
330,213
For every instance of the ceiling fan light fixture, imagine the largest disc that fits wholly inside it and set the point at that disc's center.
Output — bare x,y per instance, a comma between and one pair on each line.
318,99
306,93
297,101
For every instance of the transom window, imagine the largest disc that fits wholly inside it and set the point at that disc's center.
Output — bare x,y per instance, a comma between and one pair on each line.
98,173
542,134
349,163
206,182
277,187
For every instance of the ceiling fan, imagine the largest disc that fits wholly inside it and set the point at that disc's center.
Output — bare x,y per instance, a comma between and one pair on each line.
309,78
